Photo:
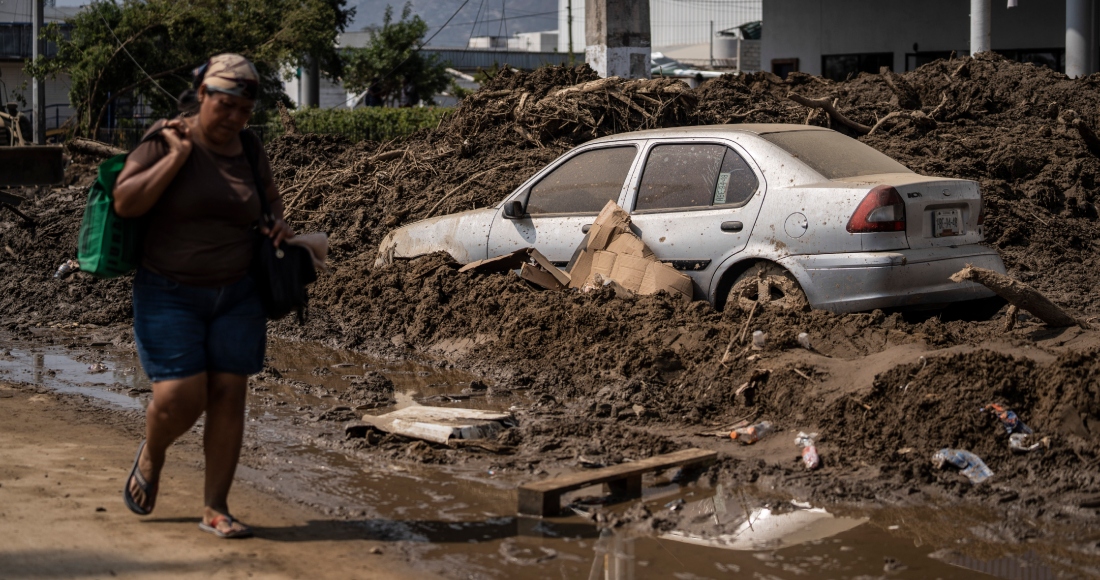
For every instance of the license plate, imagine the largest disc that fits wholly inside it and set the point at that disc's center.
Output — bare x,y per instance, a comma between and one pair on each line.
948,222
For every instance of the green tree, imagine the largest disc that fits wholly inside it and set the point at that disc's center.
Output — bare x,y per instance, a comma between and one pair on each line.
147,48
392,61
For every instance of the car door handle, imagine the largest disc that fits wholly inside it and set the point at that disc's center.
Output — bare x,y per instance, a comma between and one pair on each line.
585,228
732,226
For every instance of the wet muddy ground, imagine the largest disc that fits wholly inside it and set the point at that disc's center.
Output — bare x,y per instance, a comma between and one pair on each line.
460,521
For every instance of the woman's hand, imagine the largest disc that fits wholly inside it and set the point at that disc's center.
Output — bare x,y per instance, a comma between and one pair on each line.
279,232
177,134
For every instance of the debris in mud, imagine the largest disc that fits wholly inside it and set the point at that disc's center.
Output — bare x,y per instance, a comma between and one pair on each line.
968,464
752,433
1008,418
442,424
805,441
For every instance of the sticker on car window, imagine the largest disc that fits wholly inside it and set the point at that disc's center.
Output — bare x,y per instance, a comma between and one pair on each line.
720,190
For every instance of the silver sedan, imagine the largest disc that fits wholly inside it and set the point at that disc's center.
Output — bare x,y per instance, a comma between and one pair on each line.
767,212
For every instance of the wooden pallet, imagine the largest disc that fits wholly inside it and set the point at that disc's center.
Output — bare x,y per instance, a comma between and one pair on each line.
543,498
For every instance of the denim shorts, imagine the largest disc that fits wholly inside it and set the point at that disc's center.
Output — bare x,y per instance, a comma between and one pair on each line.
184,330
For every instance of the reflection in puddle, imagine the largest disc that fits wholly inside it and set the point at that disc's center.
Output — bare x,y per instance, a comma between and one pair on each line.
763,529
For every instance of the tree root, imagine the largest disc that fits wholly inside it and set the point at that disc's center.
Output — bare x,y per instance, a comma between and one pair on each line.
1020,294
828,107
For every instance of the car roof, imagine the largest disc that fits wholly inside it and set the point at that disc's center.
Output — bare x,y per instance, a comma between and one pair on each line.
710,131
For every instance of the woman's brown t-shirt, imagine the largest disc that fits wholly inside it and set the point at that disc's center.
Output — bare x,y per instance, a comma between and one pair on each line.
200,230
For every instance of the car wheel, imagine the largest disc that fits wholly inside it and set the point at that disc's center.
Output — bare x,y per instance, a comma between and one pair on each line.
769,286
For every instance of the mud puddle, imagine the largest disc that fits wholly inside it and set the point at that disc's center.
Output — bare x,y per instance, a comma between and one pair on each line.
460,522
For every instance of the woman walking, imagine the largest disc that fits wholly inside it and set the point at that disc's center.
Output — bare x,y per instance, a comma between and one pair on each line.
198,323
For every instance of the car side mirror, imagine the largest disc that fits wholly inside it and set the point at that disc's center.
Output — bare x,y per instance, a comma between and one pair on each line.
513,210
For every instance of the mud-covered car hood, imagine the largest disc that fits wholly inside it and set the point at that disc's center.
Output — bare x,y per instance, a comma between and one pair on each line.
465,236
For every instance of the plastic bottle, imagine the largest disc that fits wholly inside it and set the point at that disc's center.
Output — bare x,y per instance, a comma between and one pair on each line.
971,465
810,458
67,268
752,433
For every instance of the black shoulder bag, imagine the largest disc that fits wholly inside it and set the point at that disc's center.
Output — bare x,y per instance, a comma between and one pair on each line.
282,273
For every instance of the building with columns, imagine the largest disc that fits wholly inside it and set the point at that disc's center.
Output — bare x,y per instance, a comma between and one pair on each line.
836,38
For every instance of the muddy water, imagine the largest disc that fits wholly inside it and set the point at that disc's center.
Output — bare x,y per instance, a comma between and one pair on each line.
462,523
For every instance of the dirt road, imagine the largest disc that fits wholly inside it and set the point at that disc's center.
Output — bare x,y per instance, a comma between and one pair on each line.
61,514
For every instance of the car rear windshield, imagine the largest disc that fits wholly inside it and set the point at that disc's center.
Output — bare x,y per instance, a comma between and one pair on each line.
833,155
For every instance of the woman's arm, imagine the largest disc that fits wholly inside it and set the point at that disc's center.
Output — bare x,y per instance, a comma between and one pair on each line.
138,188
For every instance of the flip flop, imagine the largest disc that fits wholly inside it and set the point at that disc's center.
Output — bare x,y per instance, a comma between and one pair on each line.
212,527
148,489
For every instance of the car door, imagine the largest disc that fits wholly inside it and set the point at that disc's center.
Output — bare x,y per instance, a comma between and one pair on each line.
695,203
563,199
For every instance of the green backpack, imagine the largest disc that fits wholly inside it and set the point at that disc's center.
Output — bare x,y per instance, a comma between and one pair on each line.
109,245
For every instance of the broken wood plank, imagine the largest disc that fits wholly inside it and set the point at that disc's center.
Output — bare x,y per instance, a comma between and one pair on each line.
96,148
1020,294
543,498
441,424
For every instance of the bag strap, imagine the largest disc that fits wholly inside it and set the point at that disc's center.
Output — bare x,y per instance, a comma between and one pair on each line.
252,154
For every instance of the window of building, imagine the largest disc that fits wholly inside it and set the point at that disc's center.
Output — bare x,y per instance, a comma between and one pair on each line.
694,175
838,66
782,67
584,183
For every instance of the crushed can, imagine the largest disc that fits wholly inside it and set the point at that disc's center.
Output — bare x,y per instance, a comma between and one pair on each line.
752,433
1009,419
969,464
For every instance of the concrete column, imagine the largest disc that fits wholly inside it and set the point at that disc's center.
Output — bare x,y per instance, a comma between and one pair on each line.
38,85
310,83
1078,38
981,18
617,37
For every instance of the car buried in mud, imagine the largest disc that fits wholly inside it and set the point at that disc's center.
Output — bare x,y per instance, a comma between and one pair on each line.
756,212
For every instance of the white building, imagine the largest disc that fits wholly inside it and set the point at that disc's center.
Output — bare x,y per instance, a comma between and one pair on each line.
15,47
842,37
682,29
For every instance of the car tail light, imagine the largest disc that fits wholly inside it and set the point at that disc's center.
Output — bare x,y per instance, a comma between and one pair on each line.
883,210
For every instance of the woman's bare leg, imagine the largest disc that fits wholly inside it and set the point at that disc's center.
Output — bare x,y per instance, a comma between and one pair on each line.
225,404
175,407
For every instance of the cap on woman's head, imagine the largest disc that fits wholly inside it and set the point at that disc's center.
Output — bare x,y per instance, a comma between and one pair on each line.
231,74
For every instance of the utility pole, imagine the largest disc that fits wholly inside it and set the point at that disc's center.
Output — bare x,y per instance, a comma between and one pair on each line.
617,38
981,16
711,44
38,84
569,21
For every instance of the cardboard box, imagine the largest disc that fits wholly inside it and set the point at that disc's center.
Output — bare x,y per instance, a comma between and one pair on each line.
631,245
581,269
558,273
539,277
611,222
503,263
602,263
659,276
629,271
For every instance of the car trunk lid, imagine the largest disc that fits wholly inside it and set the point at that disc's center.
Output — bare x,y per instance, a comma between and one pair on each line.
938,211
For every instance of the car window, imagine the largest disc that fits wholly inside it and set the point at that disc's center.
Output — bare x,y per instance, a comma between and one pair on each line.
583,184
833,155
694,175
